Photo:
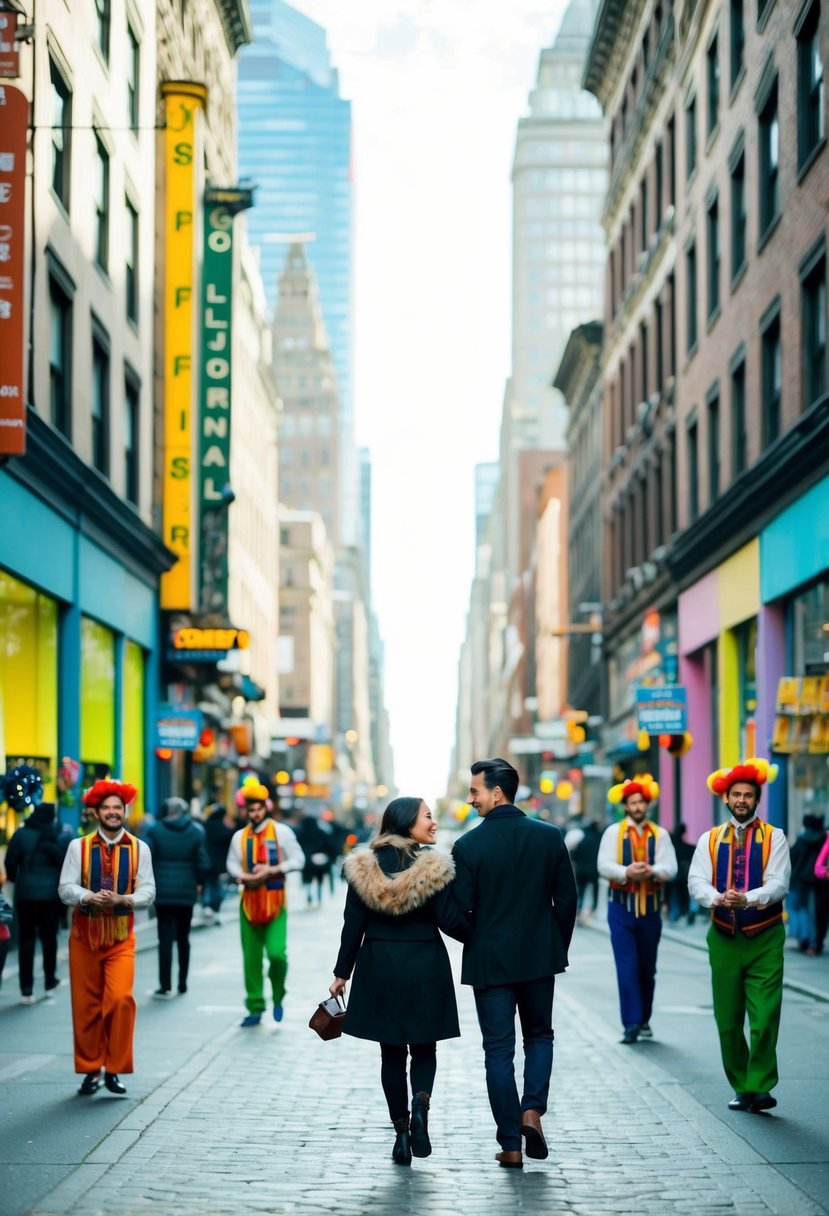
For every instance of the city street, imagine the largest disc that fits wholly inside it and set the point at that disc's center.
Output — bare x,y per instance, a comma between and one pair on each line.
225,1121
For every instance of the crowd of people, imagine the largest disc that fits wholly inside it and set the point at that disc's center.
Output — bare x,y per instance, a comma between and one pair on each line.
511,893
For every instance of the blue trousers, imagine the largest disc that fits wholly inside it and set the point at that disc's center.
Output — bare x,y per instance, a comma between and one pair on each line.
635,940
496,1016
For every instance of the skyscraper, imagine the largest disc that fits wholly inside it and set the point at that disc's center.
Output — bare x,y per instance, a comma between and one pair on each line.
295,143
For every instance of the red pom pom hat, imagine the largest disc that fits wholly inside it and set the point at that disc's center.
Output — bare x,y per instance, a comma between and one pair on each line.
95,795
757,771
642,783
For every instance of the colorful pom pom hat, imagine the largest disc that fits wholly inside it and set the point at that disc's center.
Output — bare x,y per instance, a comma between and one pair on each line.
252,791
96,793
756,770
642,783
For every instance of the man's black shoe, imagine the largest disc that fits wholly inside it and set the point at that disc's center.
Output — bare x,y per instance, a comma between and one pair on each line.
90,1084
740,1102
762,1102
113,1084
645,1031
630,1036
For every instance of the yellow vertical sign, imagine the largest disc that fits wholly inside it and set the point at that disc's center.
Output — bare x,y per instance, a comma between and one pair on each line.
184,104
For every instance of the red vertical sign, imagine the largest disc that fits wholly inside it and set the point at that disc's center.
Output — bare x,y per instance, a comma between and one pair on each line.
14,122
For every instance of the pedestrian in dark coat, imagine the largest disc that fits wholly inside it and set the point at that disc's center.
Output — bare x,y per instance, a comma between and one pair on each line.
402,995
33,863
515,879
219,829
180,865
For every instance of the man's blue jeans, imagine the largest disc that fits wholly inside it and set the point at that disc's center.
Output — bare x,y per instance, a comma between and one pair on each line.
496,1016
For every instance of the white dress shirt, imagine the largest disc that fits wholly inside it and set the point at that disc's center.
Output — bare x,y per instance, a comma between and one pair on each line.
72,893
775,880
664,857
293,857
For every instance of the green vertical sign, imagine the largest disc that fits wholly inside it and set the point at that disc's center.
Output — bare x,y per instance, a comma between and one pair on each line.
215,495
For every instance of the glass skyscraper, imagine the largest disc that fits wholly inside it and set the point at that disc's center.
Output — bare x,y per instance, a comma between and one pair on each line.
295,144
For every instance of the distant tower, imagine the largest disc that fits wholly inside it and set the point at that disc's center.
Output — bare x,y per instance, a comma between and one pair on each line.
559,181
309,436
295,143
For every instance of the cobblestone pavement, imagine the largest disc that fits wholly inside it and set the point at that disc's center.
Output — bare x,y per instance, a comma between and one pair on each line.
276,1121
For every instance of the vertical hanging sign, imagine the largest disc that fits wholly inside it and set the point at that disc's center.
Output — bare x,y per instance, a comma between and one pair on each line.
215,396
14,122
183,106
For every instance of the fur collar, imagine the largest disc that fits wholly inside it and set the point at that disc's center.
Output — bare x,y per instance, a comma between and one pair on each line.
402,892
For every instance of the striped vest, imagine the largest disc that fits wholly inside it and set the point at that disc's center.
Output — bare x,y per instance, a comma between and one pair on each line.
262,904
643,897
105,868
752,920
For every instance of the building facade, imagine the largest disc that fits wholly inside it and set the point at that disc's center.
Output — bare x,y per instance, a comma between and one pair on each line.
714,383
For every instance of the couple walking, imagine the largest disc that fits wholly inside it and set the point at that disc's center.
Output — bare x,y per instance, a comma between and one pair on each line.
508,893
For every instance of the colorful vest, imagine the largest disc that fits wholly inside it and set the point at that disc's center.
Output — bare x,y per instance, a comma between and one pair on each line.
752,920
640,898
262,904
106,869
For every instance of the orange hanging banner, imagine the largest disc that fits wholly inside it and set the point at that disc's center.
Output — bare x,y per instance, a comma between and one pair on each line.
14,122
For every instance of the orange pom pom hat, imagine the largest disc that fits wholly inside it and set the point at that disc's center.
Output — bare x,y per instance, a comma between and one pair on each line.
756,770
642,783
96,793
253,791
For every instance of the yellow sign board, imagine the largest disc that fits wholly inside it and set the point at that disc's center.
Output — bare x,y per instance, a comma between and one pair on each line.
184,103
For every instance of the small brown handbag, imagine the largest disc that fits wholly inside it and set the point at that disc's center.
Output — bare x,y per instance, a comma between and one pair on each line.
327,1018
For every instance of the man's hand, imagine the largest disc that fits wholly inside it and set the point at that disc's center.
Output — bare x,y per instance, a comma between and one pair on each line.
338,987
637,870
734,899
109,899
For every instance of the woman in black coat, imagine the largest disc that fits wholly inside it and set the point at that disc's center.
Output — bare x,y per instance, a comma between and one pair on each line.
402,995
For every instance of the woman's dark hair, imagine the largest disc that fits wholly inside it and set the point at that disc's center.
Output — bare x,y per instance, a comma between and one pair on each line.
498,772
400,816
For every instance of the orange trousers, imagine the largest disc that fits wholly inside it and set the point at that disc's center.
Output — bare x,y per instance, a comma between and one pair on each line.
103,1007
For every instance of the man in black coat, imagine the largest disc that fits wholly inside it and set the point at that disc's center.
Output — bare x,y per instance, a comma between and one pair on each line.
33,863
180,864
514,877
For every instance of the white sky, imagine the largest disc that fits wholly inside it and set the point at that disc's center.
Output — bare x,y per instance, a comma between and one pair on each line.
437,88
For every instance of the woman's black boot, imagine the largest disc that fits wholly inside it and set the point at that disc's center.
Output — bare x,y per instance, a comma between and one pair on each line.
421,1146
401,1154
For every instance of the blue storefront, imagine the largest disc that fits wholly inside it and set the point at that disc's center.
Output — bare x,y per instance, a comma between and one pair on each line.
79,623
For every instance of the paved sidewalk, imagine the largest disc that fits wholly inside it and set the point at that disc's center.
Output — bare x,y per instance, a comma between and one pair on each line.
276,1121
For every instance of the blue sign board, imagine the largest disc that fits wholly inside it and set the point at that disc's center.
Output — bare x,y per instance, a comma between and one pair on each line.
662,711
177,727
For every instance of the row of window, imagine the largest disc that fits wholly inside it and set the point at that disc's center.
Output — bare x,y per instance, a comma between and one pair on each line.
649,364
61,329
646,517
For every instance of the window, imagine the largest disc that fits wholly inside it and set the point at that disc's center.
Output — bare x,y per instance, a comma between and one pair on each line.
738,416
132,405
691,295
769,162
672,324
771,369
671,162
713,79
643,347
693,471
102,24
660,186
739,216
643,213
659,324
61,134
811,117
814,330
101,203
60,359
713,225
690,137
738,39
133,76
713,445
131,264
100,405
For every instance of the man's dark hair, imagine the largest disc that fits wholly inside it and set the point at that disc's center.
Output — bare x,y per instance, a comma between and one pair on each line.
498,772
400,816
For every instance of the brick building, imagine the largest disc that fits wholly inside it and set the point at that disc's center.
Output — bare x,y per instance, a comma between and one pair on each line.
716,494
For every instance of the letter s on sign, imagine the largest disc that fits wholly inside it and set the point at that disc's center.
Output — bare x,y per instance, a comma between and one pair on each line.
180,468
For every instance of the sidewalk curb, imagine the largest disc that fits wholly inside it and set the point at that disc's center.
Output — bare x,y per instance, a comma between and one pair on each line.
816,994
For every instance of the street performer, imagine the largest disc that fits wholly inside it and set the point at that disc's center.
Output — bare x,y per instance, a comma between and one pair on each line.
260,855
637,857
105,877
740,870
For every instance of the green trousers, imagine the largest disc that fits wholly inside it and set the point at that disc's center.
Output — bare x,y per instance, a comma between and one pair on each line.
747,978
269,939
